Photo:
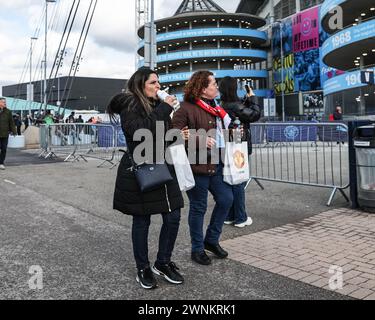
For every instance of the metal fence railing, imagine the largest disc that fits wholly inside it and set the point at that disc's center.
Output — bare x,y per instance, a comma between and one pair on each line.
81,141
301,153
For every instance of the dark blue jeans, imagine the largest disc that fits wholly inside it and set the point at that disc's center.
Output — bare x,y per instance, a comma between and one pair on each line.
167,238
223,197
3,149
238,211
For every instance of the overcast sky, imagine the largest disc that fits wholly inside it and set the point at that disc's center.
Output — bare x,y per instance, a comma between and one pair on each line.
110,47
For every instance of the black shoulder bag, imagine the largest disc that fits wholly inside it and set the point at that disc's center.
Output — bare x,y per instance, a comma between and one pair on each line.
150,176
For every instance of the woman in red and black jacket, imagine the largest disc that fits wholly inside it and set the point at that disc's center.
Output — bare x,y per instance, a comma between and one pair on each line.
207,123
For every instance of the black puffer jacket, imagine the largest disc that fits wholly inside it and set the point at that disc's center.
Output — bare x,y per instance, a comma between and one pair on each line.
247,111
128,198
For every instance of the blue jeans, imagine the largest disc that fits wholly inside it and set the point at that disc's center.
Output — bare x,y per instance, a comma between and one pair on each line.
167,238
198,196
238,211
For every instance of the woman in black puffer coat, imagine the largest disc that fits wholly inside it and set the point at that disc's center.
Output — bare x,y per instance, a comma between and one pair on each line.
139,108
247,111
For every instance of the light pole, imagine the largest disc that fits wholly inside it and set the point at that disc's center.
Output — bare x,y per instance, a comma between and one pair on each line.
41,83
153,37
58,90
31,89
150,39
45,54
282,71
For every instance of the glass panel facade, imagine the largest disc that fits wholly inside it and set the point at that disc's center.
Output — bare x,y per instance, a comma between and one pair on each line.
305,4
354,102
285,8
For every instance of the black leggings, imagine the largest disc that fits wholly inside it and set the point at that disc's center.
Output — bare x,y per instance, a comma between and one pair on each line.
168,235
3,149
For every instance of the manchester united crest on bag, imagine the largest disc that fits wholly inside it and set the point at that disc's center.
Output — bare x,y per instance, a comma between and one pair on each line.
236,164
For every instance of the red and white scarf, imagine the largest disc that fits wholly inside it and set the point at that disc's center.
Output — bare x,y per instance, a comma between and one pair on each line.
217,111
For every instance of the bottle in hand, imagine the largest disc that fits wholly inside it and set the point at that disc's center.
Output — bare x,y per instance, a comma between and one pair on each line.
237,132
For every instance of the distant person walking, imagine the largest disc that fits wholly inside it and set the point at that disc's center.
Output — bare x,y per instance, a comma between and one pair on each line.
337,115
48,119
71,118
6,125
79,120
18,123
27,121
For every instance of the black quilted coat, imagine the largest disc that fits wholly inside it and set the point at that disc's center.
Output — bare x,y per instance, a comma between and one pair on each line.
247,111
128,198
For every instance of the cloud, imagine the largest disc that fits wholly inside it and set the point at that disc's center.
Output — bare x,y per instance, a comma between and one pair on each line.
114,25
111,43
18,5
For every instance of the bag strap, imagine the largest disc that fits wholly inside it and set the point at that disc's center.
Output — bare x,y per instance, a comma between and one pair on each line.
130,157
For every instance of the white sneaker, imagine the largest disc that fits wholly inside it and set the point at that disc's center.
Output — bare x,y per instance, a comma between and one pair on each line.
2,167
248,222
228,222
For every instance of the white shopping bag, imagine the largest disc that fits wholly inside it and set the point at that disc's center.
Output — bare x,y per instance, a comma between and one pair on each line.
236,163
182,167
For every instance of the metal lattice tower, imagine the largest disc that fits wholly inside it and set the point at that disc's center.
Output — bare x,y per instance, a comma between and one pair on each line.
141,18
198,6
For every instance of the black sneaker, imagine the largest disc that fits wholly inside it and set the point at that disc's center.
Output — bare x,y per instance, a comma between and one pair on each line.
169,272
146,278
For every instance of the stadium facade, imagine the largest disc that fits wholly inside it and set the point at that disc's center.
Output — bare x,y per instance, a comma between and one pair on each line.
350,48
321,67
201,35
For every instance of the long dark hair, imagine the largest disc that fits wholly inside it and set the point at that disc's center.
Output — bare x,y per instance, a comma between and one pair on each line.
134,94
228,90
117,104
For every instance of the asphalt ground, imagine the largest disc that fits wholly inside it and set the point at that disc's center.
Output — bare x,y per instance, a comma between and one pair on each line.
58,217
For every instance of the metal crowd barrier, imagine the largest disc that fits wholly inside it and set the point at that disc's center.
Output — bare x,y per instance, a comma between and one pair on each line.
77,141
301,153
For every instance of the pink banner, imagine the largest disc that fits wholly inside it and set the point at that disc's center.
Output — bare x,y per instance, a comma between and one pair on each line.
306,30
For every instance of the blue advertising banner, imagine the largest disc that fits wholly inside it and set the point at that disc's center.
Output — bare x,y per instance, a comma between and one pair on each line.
283,74
307,70
211,32
301,68
348,80
212,53
121,141
328,5
241,93
184,76
257,134
291,133
365,30
286,29
105,139
333,133
326,72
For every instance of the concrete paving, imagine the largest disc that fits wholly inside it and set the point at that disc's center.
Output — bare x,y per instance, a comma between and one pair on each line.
56,219
331,250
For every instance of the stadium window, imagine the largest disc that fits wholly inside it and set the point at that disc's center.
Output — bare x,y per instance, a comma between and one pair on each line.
285,8
305,4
